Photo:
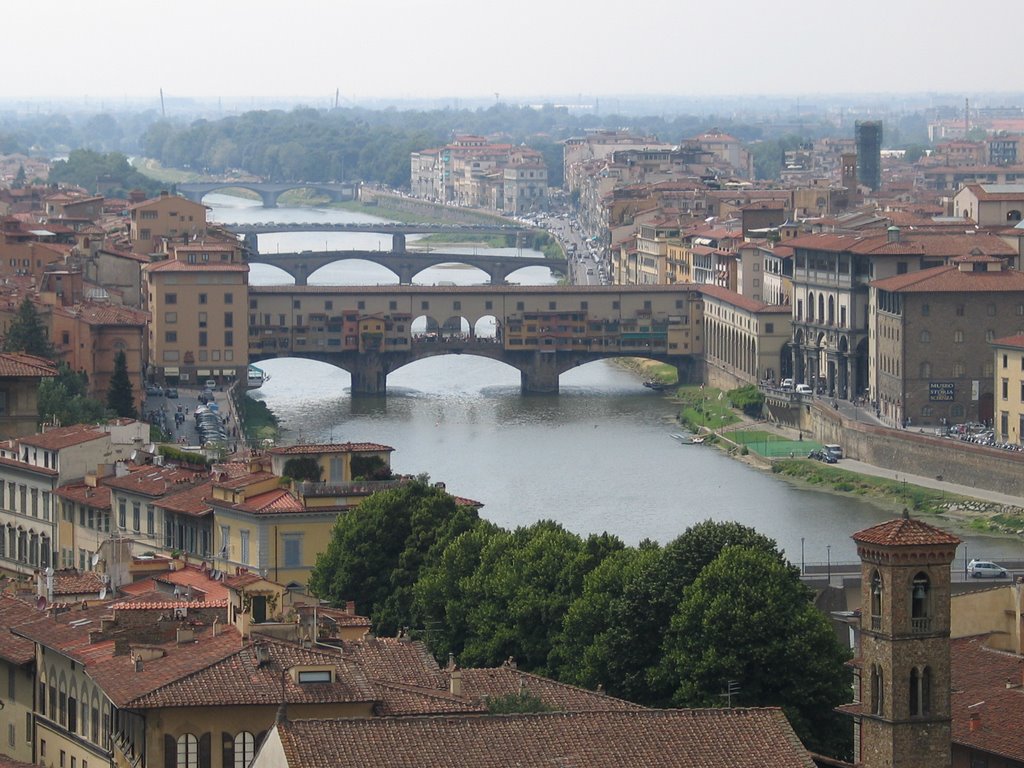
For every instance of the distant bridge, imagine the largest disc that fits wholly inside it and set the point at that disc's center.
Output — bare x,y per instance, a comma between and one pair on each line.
541,330
398,232
270,192
406,265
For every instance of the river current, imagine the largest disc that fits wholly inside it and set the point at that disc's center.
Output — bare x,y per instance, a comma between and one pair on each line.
596,457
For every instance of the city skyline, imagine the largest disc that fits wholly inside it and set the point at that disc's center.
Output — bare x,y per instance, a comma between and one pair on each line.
309,50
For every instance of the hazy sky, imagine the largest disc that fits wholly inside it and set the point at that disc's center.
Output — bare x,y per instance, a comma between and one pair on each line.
537,49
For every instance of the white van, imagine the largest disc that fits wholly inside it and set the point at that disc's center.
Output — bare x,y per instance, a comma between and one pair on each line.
834,450
804,389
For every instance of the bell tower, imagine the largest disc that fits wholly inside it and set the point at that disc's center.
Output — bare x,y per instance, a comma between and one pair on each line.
903,714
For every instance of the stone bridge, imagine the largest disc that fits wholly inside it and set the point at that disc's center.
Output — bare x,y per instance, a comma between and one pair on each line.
250,232
542,331
405,265
269,192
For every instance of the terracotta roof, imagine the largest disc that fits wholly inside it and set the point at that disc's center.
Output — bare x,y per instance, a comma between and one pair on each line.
273,502
240,580
64,437
997,192
192,501
936,244
396,660
950,279
740,301
154,481
70,581
399,700
313,448
107,314
904,531
238,679
203,586
481,684
25,466
14,649
1010,341
14,364
97,497
234,482
708,738
987,683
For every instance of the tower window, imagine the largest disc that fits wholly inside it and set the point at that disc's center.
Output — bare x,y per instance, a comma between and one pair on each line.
876,601
876,689
920,594
920,692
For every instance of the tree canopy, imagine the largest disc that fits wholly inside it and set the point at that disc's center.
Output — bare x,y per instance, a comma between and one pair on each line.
89,169
27,332
748,619
63,399
377,550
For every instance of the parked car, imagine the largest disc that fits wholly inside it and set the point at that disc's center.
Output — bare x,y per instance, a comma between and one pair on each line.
985,569
786,384
824,456
154,391
171,393
804,389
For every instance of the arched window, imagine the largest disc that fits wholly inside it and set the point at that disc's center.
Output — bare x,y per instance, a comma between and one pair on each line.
810,307
245,749
188,751
831,310
821,307
1013,215
876,689
920,691
876,600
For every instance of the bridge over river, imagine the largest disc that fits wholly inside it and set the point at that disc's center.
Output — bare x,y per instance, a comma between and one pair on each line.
406,265
269,192
541,330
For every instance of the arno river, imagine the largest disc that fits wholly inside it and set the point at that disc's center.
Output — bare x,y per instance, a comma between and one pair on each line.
596,457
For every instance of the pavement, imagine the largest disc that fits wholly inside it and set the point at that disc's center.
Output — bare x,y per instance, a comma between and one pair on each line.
185,433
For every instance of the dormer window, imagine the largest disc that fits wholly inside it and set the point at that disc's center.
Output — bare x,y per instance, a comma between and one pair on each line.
315,676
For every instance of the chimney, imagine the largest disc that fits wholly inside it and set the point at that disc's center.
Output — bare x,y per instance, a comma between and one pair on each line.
138,667
455,682
975,721
185,636
350,607
893,234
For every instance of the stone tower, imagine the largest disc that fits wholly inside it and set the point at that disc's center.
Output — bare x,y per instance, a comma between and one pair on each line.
903,713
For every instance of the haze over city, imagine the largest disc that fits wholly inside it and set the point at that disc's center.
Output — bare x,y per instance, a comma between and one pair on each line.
112,53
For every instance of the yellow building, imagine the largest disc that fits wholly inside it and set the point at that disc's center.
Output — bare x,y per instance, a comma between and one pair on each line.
17,657
1009,389
197,303
264,524
167,217
20,377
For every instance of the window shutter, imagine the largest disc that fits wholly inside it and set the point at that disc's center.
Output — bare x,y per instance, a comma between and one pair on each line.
204,750
170,751
227,750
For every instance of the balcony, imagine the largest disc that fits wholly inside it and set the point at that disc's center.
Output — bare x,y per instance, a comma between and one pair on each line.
921,624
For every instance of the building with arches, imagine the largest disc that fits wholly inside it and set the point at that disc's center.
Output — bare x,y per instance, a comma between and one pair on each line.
901,706
990,205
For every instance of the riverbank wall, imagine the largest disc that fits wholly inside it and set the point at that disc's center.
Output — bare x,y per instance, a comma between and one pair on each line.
915,452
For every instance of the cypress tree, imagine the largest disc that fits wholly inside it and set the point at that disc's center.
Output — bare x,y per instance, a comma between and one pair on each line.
120,398
27,333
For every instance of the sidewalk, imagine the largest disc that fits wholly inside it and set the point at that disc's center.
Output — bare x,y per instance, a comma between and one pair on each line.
930,482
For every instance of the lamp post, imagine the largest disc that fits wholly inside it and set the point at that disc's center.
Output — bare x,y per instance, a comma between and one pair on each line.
801,555
828,562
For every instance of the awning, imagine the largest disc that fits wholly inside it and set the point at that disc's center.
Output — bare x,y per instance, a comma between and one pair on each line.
171,371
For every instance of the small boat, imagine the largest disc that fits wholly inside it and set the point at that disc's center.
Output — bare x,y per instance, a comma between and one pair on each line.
697,440
657,386
685,439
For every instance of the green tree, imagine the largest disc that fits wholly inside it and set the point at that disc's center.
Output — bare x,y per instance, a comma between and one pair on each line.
27,333
63,399
747,618
377,550
613,633
517,594
120,398
303,468
748,399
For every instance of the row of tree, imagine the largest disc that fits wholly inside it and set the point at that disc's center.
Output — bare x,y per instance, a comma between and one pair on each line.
659,625
110,172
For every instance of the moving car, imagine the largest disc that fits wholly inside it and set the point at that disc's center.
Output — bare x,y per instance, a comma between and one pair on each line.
154,390
786,384
985,569
804,389
171,393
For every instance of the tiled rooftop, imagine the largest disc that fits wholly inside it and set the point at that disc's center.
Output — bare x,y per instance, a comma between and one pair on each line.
906,531
698,738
